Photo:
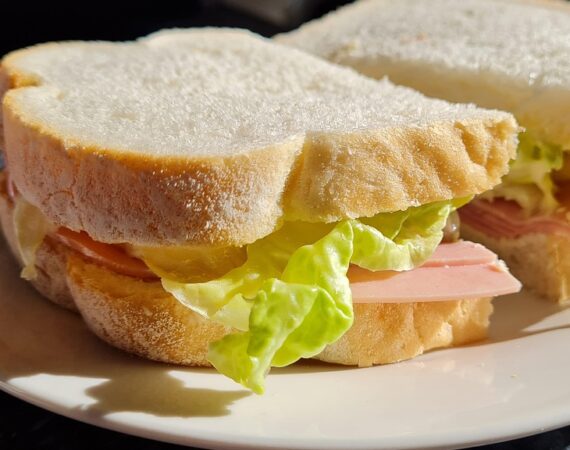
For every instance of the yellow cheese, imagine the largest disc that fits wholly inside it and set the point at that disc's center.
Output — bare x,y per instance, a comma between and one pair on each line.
31,228
190,264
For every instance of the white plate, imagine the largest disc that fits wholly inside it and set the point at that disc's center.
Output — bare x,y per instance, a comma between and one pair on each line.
513,385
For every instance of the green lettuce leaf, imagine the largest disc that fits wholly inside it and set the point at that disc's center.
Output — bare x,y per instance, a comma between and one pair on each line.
228,298
401,240
294,317
529,181
291,297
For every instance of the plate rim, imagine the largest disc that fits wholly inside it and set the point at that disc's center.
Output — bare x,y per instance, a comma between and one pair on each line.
238,442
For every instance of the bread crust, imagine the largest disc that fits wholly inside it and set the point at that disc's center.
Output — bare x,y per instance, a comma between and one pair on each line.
141,318
540,261
235,200
385,333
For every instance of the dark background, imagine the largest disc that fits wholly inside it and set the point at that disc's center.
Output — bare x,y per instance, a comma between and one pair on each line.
23,23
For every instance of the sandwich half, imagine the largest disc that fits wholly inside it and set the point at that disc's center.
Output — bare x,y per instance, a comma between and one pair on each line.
208,197
505,54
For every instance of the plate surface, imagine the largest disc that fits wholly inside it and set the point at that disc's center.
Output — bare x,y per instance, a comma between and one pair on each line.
512,385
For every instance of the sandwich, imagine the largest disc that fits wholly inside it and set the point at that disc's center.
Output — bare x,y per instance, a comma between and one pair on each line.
209,197
506,54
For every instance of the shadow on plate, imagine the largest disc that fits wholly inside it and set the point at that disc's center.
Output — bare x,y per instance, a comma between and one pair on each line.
37,337
523,315
310,366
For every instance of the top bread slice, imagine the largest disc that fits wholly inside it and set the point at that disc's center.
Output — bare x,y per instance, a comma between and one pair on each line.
214,137
505,54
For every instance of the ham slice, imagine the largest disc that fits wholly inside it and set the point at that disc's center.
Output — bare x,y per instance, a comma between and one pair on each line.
503,218
458,271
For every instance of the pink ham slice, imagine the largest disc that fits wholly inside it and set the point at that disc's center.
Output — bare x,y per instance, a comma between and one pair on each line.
459,271
504,218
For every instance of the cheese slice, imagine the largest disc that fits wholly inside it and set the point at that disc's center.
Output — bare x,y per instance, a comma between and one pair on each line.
30,228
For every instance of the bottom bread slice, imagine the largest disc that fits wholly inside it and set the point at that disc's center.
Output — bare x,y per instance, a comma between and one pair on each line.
141,318
540,261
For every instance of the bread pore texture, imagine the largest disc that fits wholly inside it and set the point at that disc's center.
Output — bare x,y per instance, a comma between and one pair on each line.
505,54
215,137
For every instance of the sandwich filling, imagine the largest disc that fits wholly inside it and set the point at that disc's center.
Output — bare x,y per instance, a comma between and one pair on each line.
290,294
532,197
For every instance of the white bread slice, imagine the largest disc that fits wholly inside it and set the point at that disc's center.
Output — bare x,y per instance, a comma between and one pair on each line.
541,261
141,318
504,54
217,136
